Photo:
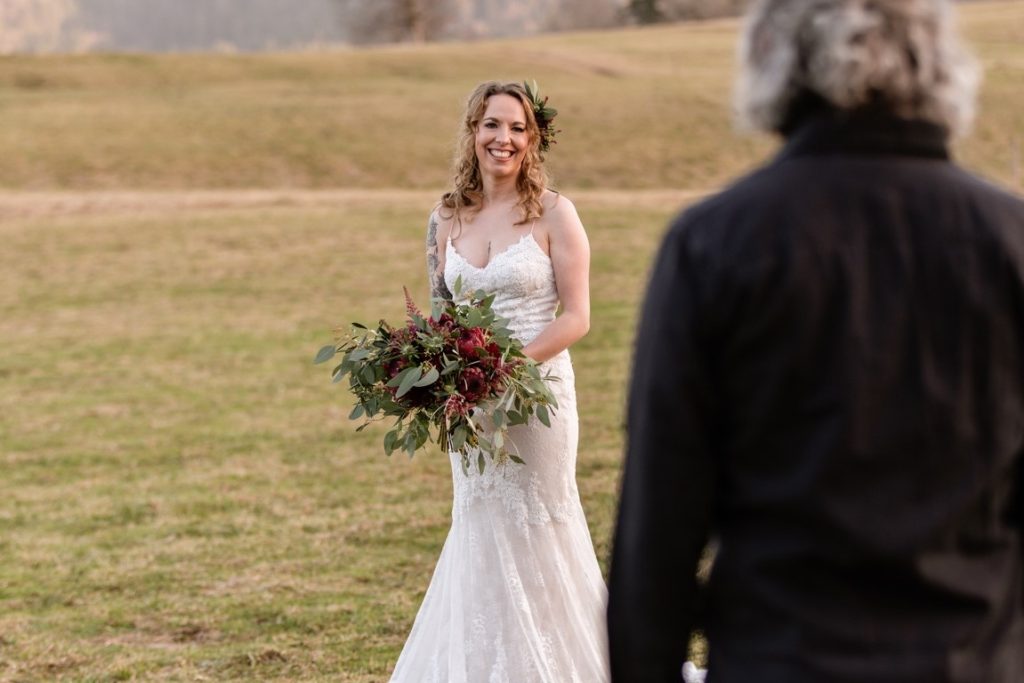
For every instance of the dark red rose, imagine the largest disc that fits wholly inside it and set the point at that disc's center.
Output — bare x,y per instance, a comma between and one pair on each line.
473,339
417,397
473,384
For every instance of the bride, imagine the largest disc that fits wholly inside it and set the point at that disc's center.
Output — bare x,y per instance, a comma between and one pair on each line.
517,595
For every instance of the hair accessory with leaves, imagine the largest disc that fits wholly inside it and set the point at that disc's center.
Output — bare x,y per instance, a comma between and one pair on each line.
544,115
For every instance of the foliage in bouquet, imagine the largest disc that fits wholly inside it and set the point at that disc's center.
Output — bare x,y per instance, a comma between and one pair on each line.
458,378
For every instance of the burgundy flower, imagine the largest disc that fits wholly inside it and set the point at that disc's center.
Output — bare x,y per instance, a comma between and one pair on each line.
473,339
417,397
455,406
473,384
401,336
493,357
410,307
395,366
445,322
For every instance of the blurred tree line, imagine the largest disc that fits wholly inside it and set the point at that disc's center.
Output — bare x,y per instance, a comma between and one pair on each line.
385,21
191,25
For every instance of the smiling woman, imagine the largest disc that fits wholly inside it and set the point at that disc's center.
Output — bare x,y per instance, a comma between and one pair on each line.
502,116
517,594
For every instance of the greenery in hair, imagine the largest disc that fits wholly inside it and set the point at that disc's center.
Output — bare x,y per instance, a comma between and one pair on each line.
543,114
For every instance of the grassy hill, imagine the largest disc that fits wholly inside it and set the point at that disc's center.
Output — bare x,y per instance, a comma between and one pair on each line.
181,496
640,108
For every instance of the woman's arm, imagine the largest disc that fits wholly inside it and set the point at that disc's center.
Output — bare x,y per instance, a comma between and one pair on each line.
435,258
570,256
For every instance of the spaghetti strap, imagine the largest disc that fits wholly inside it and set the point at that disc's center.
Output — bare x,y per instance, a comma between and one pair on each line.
451,229
533,226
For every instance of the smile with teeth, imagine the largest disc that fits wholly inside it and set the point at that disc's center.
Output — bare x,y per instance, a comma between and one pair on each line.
500,153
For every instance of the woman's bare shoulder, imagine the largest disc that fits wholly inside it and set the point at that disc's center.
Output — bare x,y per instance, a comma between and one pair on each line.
440,223
559,212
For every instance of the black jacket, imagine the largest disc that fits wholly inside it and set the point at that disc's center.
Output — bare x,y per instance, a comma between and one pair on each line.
829,381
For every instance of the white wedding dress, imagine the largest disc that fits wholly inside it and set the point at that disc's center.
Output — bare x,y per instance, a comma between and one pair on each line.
517,595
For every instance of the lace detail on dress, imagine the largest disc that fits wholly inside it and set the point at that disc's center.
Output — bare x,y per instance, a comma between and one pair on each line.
517,595
520,491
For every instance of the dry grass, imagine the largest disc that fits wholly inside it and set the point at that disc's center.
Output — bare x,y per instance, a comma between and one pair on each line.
182,497
640,108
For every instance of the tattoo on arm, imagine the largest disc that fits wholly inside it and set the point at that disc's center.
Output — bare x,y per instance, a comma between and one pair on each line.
438,288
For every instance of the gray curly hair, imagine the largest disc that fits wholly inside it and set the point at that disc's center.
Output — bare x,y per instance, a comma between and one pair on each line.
903,55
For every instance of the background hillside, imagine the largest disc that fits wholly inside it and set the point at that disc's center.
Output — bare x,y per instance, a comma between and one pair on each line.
639,108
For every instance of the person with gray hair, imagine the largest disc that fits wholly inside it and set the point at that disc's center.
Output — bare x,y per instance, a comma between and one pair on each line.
828,381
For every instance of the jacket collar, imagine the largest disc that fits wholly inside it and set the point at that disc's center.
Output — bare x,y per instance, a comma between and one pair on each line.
826,131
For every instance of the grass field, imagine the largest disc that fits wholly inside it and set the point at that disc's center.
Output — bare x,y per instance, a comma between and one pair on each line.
181,496
641,108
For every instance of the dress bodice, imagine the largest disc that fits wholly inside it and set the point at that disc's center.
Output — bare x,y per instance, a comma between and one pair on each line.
522,279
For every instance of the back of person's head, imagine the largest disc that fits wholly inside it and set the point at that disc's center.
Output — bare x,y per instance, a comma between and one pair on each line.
900,56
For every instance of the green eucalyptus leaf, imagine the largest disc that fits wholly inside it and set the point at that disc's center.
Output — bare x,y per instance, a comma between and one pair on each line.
515,458
480,462
390,439
542,414
357,412
409,381
429,378
459,435
340,371
357,354
325,354
421,437
397,380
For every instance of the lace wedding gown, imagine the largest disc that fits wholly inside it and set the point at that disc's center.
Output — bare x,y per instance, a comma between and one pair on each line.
517,595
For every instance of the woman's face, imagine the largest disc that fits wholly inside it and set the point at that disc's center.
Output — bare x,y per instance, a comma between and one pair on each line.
501,137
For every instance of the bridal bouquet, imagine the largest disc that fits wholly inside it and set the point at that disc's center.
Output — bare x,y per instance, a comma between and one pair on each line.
458,375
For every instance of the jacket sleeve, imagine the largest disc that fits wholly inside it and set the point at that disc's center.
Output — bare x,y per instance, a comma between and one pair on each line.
664,516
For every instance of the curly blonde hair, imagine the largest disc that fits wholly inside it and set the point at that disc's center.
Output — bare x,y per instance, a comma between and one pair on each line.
467,194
